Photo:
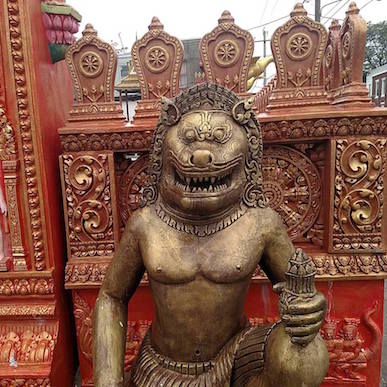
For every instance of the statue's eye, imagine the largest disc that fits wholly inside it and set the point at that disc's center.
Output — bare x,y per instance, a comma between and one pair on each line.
190,134
219,134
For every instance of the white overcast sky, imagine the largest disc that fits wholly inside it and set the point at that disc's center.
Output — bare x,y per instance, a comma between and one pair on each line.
192,19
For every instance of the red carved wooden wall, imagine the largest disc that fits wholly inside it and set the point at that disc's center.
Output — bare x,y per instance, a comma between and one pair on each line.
324,170
36,335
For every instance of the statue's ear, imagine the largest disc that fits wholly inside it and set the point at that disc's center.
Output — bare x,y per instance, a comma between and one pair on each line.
170,114
242,111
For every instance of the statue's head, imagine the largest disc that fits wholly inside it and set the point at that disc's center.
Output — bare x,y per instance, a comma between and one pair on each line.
206,154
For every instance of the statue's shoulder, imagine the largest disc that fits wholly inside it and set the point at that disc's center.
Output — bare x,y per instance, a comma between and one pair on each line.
266,218
141,219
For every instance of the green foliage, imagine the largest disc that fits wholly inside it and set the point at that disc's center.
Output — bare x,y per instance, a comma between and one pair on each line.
376,46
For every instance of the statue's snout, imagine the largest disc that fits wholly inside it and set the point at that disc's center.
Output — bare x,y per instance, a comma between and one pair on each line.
202,158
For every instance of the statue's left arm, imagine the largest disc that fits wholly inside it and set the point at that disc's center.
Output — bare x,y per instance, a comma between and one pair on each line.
303,318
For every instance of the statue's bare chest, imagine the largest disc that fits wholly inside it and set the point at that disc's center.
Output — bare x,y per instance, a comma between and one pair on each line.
172,256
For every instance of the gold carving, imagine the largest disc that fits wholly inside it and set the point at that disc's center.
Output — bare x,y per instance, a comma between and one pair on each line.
226,52
299,46
157,59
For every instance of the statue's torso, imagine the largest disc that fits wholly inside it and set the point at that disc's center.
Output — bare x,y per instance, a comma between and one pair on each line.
199,284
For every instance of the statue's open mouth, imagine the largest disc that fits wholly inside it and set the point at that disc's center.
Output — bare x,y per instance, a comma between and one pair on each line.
210,183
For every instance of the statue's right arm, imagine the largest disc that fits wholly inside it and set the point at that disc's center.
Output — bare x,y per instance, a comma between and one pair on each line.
111,310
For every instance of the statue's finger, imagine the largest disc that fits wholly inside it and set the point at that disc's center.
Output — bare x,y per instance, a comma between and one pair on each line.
306,330
309,306
304,340
279,287
303,319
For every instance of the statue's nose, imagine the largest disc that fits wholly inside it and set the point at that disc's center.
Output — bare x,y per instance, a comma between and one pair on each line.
202,158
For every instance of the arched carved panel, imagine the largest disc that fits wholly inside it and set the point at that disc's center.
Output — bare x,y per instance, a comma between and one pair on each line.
157,58
92,64
226,54
298,47
292,185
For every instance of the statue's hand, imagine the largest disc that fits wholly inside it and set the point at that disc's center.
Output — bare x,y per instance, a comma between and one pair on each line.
303,317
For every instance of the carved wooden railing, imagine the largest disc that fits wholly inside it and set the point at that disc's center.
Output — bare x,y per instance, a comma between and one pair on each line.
324,165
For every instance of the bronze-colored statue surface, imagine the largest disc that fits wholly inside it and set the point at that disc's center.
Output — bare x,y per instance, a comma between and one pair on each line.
201,234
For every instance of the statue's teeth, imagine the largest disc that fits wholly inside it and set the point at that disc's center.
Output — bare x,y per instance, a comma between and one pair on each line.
188,180
199,189
201,179
194,189
204,189
195,179
210,189
213,180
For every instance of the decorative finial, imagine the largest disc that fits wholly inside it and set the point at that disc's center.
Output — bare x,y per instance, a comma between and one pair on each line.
226,18
89,30
352,9
300,274
335,25
155,24
298,10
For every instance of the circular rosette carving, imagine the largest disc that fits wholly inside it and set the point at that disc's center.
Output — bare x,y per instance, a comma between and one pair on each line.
346,45
157,59
89,214
299,46
91,64
292,186
359,209
226,53
131,187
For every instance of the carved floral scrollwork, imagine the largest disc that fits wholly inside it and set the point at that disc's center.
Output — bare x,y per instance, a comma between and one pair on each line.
27,345
358,194
26,286
291,184
88,200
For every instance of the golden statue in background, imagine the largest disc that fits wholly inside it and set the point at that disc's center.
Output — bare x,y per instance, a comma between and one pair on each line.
257,68
203,230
